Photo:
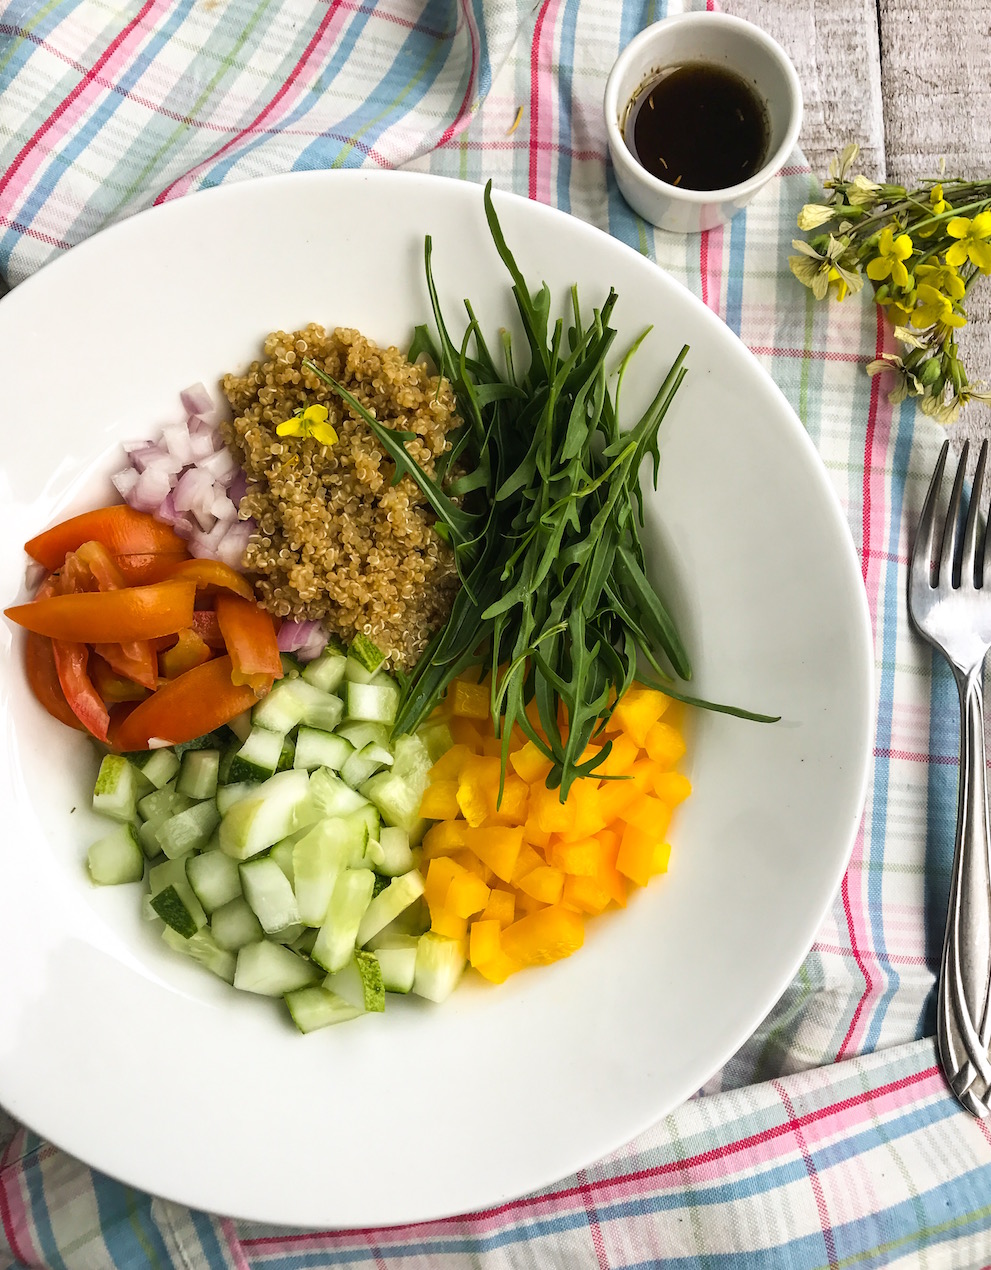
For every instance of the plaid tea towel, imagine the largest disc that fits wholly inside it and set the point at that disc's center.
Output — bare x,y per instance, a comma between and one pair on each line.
830,1139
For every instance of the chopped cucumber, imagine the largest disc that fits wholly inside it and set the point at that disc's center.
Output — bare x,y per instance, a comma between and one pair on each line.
362,825
189,830
198,775
321,749
398,801
257,822
214,878
288,934
350,898
240,725
367,654
317,860
411,921
148,837
281,853
228,795
179,908
115,793
440,963
315,1007
373,702
437,738
202,947
292,667
160,767
287,756
235,925
361,734
116,858
168,873
318,709
412,760
359,982
281,710
331,796
364,763
258,756
304,941
164,803
326,672
397,959
272,970
386,907
267,890
391,853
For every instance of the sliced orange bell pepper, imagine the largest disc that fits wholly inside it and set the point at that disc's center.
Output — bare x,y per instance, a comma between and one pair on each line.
196,703
134,661
105,617
140,568
43,680
71,662
113,687
120,529
249,634
188,651
212,576
207,627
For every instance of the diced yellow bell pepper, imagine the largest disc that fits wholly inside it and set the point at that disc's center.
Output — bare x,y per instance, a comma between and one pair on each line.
583,856
543,883
469,700
448,766
441,872
527,859
467,734
620,758
440,801
501,907
466,895
526,904
492,747
638,710
544,936
672,788
443,922
529,764
649,813
499,968
445,838
512,808
584,894
533,834
642,855
664,744
471,863
615,796
589,816
498,846
551,814
484,941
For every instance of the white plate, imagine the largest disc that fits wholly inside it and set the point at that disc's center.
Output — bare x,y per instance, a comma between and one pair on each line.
143,1066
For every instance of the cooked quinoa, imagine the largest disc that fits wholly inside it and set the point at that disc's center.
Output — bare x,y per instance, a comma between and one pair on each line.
335,540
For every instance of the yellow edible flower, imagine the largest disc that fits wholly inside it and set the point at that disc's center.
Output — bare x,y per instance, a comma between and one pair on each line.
838,285
311,422
937,206
892,252
935,307
971,241
944,278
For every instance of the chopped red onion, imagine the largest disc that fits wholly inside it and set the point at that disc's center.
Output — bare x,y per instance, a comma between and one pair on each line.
178,442
124,482
239,487
306,639
196,400
235,542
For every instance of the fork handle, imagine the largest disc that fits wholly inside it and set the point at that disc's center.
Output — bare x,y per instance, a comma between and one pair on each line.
964,998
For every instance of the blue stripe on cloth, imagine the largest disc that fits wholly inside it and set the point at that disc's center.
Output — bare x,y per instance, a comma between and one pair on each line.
126,1225
34,1180
206,1232
39,31
405,79
735,272
894,598
565,114
75,145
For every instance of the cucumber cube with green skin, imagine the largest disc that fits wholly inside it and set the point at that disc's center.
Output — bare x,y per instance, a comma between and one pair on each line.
361,733
234,925
282,854
292,667
318,709
240,725
272,970
267,890
281,710
315,1007
228,795
160,767
398,802
437,738
157,807
318,859
148,838
116,858
321,749
288,755
350,898
198,774
168,873
203,948
412,921
366,653
115,793
179,908
391,853
440,963
189,831
331,796
359,982
373,702
258,757
386,907
364,763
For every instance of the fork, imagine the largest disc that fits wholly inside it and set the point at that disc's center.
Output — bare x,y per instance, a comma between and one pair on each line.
951,608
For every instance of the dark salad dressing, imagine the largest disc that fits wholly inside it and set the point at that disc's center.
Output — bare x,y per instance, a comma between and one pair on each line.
699,126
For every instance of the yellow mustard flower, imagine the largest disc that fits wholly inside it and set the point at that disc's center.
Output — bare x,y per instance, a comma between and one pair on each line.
935,307
889,262
937,207
311,422
838,285
944,278
971,241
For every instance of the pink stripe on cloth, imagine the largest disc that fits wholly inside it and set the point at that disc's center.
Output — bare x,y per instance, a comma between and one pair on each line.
740,1155
325,33
711,268
874,521
814,1180
541,103
463,116
14,1216
72,108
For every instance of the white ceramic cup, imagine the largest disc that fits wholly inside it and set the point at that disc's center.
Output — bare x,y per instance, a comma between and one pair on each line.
724,41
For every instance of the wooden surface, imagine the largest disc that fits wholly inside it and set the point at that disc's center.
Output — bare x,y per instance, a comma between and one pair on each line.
910,82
